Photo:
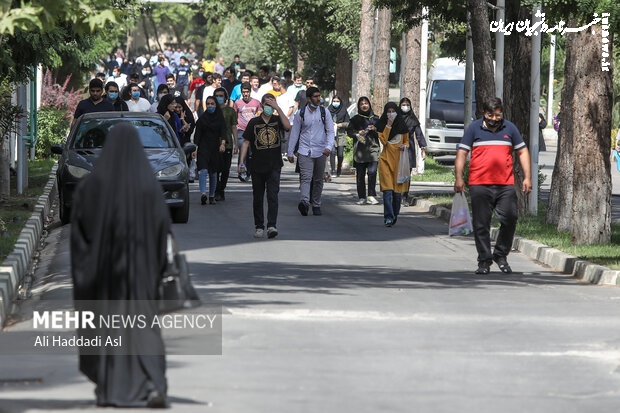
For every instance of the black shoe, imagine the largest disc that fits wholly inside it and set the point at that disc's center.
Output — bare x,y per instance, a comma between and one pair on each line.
156,400
203,199
483,267
316,211
303,208
211,200
502,264
218,196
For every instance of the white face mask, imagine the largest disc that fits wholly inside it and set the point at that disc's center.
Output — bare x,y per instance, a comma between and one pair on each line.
392,115
405,109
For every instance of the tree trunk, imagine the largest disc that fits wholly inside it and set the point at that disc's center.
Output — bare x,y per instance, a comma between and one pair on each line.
146,34
5,176
130,43
517,74
381,88
411,68
588,119
364,62
343,74
483,61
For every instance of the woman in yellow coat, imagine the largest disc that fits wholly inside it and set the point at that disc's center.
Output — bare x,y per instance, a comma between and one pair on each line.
394,137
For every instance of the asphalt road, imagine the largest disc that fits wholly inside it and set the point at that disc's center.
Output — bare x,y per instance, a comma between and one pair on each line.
340,314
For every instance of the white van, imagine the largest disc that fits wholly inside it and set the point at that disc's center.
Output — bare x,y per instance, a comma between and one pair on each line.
445,103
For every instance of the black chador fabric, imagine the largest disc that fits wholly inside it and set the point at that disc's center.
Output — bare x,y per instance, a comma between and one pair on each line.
118,253
210,131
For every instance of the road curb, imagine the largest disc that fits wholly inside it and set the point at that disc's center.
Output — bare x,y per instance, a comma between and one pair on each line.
18,264
554,258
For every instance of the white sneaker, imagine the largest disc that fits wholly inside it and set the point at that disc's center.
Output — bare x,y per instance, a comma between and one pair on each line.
259,233
272,232
362,201
372,200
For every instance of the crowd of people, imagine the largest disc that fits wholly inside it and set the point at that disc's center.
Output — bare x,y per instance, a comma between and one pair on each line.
264,119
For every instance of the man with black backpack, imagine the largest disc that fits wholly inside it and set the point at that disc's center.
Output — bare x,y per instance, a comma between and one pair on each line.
311,140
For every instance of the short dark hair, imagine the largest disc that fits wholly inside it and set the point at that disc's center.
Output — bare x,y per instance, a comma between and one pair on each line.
266,95
489,105
134,76
95,83
110,84
169,75
311,91
246,86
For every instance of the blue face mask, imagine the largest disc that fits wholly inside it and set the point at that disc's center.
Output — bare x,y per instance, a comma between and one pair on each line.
113,95
268,111
135,95
336,104
211,109
313,106
220,100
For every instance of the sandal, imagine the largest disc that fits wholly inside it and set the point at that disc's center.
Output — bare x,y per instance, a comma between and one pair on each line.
483,268
503,265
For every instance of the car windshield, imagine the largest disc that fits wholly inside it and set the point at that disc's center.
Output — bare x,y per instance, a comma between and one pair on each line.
452,91
93,132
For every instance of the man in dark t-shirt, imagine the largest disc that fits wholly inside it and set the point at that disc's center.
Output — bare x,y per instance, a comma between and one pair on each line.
95,103
264,134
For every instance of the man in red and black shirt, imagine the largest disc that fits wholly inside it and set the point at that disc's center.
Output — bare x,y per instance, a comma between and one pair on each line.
491,141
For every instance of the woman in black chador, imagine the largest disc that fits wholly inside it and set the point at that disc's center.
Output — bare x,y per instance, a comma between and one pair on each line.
119,230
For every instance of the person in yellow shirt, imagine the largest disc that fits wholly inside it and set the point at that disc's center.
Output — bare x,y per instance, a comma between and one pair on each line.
394,136
209,64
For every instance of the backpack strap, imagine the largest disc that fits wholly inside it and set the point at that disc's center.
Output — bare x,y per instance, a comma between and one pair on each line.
302,112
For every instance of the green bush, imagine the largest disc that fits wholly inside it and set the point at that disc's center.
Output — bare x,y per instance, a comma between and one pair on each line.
52,126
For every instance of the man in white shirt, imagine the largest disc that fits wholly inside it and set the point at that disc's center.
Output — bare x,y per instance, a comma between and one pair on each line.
311,140
137,103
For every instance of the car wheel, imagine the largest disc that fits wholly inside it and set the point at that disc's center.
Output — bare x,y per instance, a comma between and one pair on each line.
63,210
180,215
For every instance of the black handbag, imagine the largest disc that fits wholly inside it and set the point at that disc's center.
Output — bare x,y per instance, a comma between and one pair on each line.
175,288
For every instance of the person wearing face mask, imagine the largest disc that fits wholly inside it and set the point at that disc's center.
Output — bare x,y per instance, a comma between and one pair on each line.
394,136
417,143
162,90
118,77
197,81
137,103
230,118
366,150
246,109
263,134
167,108
210,137
491,141
340,116
112,95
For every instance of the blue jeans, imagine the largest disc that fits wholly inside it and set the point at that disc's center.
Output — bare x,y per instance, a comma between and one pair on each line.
391,205
202,182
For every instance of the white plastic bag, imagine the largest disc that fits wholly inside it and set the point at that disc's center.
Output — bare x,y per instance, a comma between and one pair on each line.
460,219
404,173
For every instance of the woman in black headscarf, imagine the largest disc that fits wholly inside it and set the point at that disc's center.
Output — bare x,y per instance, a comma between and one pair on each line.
415,134
366,150
341,119
119,230
187,120
210,137
167,108
394,137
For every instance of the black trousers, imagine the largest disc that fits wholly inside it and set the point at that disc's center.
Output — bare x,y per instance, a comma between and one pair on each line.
486,199
360,178
222,177
267,182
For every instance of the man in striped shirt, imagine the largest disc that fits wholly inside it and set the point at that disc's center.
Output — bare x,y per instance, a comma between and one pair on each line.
491,141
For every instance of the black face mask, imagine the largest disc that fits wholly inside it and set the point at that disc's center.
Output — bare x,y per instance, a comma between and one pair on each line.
492,123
